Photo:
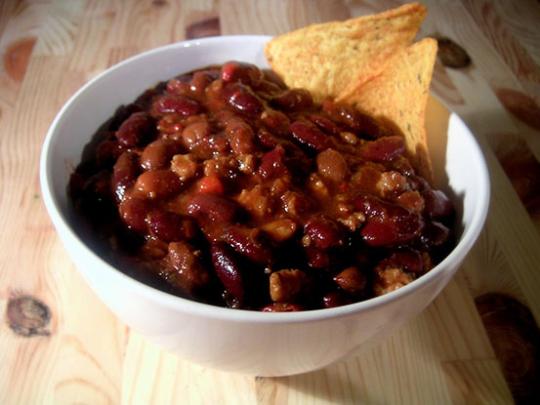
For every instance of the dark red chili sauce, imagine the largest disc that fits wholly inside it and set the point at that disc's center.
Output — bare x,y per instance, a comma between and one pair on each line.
224,186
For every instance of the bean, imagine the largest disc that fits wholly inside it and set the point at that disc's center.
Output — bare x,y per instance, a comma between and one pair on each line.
135,130
133,212
244,73
158,184
195,133
273,164
275,121
323,233
434,234
240,136
158,154
244,241
228,270
293,100
351,280
266,138
214,207
185,269
332,165
181,105
308,134
166,226
125,173
242,99
335,299
325,124
383,149
437,203
351,118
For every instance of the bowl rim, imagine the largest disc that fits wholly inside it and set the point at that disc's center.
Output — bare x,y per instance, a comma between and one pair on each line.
67,233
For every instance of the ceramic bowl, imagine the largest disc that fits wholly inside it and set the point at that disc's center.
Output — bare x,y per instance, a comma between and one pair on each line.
254,343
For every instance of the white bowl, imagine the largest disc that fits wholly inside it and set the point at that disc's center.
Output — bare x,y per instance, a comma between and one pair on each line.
266,344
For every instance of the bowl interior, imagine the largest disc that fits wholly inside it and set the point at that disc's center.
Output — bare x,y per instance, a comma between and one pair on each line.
458,163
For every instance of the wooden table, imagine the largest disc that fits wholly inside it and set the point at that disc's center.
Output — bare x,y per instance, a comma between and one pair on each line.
477,343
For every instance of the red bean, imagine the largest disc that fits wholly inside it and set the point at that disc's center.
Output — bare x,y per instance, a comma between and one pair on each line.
351,280
324,233
437,203
332,165
325,124
158,184
242,99
136,129
195,133
245,73
125,173
158,154
133,212
383,149
293,100
335,299
240,136
244,242
272,163
182,105
387,224
266,138
309,135
227,270
435,234
317,258
165,225
276,121
214,207
186,271
409,260
351,118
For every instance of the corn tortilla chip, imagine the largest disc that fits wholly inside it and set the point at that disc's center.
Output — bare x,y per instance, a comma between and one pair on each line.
326,58
397,97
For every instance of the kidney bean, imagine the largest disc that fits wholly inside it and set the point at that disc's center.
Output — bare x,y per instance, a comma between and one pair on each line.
409,260
228,270
275,121
182,105
210,184
309,135
201,80
325,124
273,164
317,258
335,299
244,73
293,100
387,224
242,99
180,85
434,234
165,225
351,280
324,233
133,212
214,207
158,154
437,203
282,307
286,285
240,136
134,131
384,149
107,152
125,172
351,118
195,133
244,241
332,165
266,138
158,184
185,269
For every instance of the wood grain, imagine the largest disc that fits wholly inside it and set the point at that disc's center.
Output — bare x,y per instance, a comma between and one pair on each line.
49,48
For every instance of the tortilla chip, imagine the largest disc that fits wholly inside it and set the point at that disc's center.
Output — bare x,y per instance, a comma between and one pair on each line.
398,96
326,58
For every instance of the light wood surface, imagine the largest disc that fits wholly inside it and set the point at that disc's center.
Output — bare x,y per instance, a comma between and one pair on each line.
477,343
